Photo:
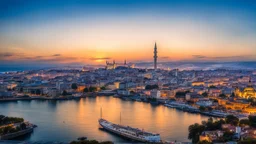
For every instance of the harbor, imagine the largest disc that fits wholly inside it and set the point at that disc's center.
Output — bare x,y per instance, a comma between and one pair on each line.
66,120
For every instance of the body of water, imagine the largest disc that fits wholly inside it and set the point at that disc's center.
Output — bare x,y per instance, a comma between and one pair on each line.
64,121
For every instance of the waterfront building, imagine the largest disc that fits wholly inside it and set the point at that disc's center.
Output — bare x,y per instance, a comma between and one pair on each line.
248,92
123,92
198,83
204,103
53,92
233,104
155,94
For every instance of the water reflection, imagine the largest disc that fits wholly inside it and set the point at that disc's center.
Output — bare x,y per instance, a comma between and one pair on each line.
67,120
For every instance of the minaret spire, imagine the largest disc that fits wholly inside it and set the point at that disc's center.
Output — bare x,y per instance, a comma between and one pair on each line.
155,57
250,82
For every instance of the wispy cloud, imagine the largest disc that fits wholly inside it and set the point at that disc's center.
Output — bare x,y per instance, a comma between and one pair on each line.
56,55
164,57
10,54
223,58
199,56
103,58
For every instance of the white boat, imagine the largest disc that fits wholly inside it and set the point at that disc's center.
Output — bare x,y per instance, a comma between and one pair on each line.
129,132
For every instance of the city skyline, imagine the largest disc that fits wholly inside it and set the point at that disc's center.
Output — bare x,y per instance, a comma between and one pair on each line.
91,32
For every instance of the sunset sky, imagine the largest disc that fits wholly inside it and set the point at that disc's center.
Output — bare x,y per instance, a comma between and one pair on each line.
93,31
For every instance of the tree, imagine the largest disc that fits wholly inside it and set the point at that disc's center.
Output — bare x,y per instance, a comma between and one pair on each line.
103,88
21,89
64,93
86,90
23,126
195,131
211,125
202,108
150,87
92,89
181,93
205,94
252,120
247,141
228,136
231,119
212,87
252,101
210,108
222,96
38,92
244,122
74,86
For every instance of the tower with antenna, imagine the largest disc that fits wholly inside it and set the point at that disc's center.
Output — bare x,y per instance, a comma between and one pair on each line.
155,57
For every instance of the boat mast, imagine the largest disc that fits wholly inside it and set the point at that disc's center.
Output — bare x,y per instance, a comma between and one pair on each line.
120,118
101,112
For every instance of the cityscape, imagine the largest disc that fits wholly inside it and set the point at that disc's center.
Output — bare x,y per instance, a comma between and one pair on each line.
92,72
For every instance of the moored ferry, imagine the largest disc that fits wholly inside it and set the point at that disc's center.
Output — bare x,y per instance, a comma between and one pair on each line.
129,132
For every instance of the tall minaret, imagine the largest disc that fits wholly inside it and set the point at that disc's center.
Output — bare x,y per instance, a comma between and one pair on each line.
155,57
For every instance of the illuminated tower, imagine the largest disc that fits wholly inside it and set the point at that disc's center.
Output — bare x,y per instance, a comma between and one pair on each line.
155,57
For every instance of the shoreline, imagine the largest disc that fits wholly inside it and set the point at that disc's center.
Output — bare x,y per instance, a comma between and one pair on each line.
122,98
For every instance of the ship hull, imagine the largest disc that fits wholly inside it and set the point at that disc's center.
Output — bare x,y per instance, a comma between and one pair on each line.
123,135
128,136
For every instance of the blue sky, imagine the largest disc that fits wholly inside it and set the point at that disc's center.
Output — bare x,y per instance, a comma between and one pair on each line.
92,31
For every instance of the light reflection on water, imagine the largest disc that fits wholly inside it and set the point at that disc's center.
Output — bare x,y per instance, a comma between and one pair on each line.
67,120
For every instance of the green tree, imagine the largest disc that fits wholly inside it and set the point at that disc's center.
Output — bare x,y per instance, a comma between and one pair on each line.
247,141
228,136
244,122
205,94
202,108
23,126
86,90
231,119
103,88
92,89
150,87
64,93
38,92
252,120
195,131
213,125
21,89
181,93
222,96
212,87
74,86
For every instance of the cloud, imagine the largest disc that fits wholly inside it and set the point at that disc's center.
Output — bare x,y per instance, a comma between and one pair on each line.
56,55
9,54
164,57
224,58
199,56
103,58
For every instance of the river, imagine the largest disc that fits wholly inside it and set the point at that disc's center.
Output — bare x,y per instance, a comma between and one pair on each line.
66,120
